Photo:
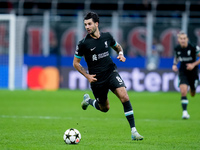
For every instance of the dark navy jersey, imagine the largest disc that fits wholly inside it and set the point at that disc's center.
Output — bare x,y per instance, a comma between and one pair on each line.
96,54
186,55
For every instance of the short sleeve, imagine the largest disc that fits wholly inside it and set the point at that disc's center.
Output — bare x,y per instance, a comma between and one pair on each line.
175,49
197,50
112,42
79,51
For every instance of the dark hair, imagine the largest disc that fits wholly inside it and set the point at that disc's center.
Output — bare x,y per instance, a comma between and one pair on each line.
92,15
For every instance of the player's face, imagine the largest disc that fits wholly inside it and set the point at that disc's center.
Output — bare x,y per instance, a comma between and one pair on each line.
183,40
90,26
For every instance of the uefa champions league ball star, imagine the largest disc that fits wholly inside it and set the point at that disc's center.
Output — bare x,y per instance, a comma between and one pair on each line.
72,136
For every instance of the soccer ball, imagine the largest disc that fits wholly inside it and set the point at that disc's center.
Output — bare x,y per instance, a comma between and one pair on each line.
72,136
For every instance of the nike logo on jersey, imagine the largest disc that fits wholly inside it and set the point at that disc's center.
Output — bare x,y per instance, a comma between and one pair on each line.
92,49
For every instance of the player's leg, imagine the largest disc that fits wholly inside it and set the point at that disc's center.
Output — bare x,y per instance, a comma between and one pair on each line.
88,101
183,89
183,85
121,93
193,85
101,102
104,106
192,92
128,110
117,86
184,100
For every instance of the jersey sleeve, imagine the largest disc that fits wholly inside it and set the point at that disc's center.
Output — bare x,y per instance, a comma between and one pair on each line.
79,51
197,50
174,52
112,42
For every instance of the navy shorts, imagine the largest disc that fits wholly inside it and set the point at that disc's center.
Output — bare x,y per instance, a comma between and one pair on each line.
100,91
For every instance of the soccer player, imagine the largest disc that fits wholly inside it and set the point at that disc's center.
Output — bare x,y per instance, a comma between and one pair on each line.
186,54
103,75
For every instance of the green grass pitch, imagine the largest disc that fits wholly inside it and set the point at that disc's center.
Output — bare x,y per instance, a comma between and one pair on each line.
37,120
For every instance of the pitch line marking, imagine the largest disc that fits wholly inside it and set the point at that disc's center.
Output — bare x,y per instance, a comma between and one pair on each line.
87,118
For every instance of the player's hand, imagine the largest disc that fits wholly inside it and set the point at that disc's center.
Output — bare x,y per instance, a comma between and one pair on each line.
190,66
174,68
121,58
91,78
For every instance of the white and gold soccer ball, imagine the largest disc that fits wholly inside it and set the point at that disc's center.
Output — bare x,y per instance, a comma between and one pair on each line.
72,136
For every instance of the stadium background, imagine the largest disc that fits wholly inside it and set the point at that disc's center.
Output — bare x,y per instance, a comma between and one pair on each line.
50,30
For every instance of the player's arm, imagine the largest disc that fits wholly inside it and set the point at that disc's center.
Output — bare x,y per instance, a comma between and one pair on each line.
191,66
117,47
175,62
77,66
196,63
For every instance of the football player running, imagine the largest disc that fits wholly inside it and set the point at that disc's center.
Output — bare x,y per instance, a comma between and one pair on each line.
103,75
186,54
